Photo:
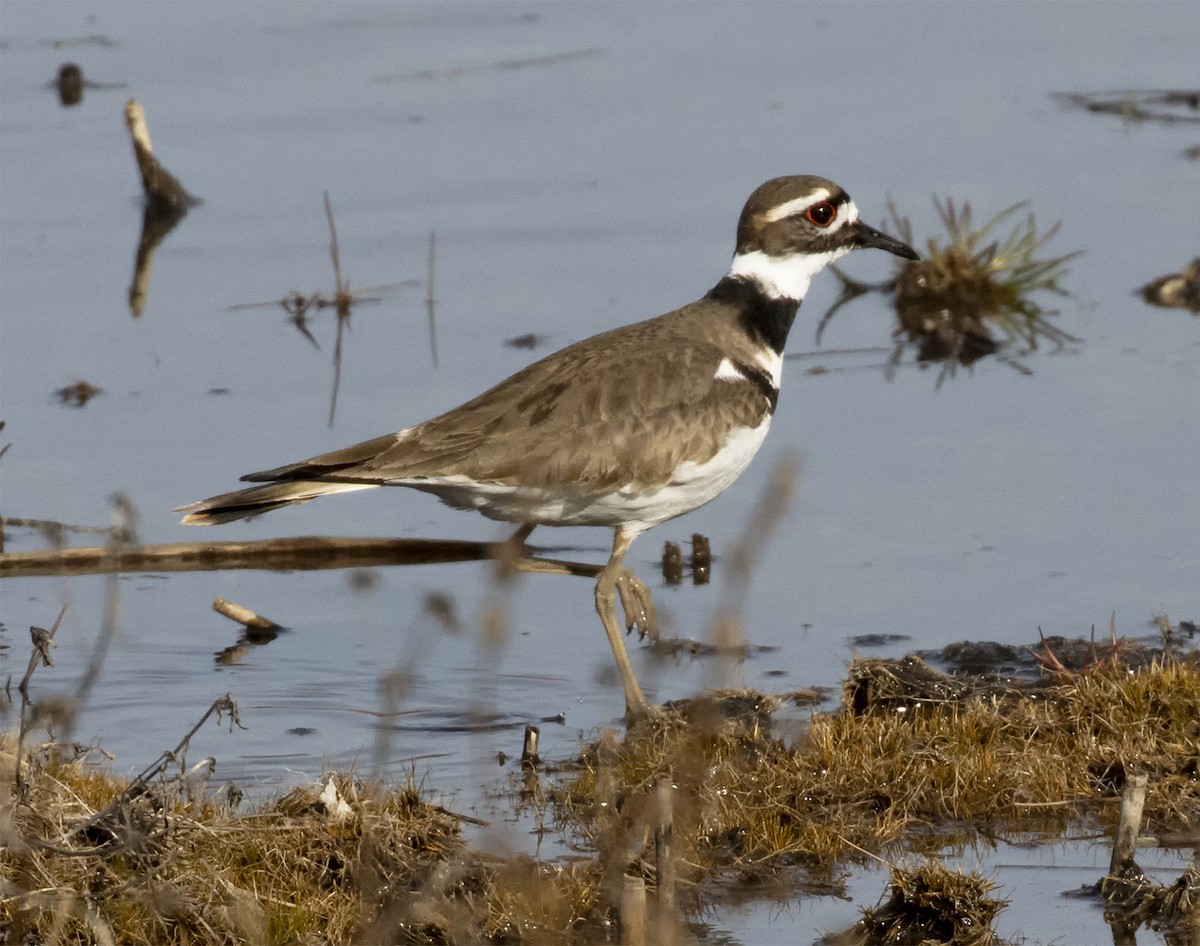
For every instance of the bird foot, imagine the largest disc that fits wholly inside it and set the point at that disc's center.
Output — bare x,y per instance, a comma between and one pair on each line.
643,712
638,605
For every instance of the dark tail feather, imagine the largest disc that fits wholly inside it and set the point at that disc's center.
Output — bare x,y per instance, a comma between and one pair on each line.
248,503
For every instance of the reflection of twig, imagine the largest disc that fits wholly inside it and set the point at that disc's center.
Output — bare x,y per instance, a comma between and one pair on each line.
455,72
157,222
337,367
42,641
851,289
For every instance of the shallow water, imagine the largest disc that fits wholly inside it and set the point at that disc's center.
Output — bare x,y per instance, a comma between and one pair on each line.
583,166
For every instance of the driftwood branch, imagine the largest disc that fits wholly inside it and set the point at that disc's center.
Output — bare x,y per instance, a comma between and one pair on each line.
301,554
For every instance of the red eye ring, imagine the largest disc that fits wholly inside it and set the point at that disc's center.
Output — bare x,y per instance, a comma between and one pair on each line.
821,214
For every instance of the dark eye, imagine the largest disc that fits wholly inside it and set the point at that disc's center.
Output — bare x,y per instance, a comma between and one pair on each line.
822,214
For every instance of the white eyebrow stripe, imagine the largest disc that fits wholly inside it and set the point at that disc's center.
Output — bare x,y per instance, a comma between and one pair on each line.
801,203
798,203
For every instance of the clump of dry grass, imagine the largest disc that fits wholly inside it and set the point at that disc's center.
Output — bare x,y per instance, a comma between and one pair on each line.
930,904
950,301
1130,900
913,760
948,757
87,858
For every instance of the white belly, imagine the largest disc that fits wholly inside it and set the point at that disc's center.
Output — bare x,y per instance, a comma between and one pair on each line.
637,509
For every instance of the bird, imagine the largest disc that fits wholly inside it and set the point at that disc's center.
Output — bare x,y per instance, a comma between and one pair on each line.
626,429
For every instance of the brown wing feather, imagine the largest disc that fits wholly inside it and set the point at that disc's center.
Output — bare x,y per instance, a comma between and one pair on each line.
540,427
524,430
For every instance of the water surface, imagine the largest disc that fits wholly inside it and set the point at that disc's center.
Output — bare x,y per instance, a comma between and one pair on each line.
583,167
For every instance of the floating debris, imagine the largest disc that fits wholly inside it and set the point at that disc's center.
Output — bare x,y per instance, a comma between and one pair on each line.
256,630
1139,105
1179,290
528,341
77,394
70,85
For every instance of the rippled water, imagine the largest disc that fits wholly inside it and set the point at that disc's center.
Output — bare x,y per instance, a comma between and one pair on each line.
583,166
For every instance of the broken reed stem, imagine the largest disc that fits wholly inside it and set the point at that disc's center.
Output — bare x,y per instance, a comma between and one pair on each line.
607,776
244,616
160,186
529,751
633,911
1133,799
664,833
665,913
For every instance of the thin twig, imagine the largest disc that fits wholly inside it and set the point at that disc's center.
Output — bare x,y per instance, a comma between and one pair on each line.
221,706
39,656
430,299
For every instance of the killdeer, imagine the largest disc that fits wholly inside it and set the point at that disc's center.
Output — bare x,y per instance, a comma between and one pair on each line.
626,429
